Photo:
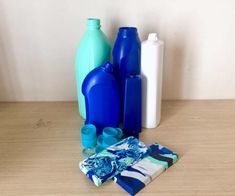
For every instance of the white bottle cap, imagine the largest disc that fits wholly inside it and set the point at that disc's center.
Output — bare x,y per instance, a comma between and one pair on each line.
152,37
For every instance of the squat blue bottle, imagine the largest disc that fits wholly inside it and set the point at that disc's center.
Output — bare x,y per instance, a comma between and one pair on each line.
126,59
102,98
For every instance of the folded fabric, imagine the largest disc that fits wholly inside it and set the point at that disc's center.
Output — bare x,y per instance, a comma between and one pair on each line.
137,176
113,160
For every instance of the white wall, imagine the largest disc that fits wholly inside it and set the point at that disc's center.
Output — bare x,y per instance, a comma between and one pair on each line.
38,41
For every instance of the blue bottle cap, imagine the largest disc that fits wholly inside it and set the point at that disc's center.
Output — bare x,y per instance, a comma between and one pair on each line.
109,131
98,149
88,136
108,141
120,133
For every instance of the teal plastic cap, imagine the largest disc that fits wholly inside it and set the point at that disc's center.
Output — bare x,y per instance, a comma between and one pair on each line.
108,141
109,131
93,23
88,135
98,149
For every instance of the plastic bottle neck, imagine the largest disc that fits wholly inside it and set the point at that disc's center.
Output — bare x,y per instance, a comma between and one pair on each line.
127,31
152,37
93,24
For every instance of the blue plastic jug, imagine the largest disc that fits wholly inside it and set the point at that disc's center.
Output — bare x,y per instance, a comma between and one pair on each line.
126,58
102,97
126,54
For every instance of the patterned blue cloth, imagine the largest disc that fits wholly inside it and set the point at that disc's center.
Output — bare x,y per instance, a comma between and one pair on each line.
137,176
113,160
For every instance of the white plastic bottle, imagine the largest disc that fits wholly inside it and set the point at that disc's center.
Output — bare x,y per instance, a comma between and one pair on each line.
151,69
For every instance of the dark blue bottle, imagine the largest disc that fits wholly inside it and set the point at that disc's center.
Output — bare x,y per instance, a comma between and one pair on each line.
126,54
132,106
126,60
102,98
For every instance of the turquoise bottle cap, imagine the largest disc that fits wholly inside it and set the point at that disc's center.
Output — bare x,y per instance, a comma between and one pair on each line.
93,22
109,131
98,149
108,141
88,136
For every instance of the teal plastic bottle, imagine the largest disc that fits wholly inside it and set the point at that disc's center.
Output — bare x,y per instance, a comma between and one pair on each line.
93,51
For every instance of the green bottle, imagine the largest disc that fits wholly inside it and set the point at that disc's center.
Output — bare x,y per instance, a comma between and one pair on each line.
94,50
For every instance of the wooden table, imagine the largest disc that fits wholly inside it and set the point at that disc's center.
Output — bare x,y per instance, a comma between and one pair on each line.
40,149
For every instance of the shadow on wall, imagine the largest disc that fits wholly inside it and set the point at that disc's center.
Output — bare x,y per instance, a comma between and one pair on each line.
8,72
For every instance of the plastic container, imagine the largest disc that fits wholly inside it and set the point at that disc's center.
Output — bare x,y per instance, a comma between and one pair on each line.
93,51
89,138
132,106
126,59
102,98
126,56
151,70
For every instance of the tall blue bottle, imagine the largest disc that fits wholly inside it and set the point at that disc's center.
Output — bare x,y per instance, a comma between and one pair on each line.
126,59
102,97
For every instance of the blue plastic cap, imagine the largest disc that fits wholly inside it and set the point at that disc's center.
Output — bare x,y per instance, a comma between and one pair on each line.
88,136
108,141
98,149
109,131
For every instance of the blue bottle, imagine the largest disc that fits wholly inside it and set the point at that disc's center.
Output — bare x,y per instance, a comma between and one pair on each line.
126,54
132,106
126,59
102,97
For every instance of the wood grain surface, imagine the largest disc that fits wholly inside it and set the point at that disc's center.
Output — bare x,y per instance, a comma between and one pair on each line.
40,149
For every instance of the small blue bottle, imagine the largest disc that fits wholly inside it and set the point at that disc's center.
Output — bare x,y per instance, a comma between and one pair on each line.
126,59
102,98
132,106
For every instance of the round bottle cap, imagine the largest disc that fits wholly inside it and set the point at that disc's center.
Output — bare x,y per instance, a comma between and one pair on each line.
98,149
109,131
108,141
88,136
